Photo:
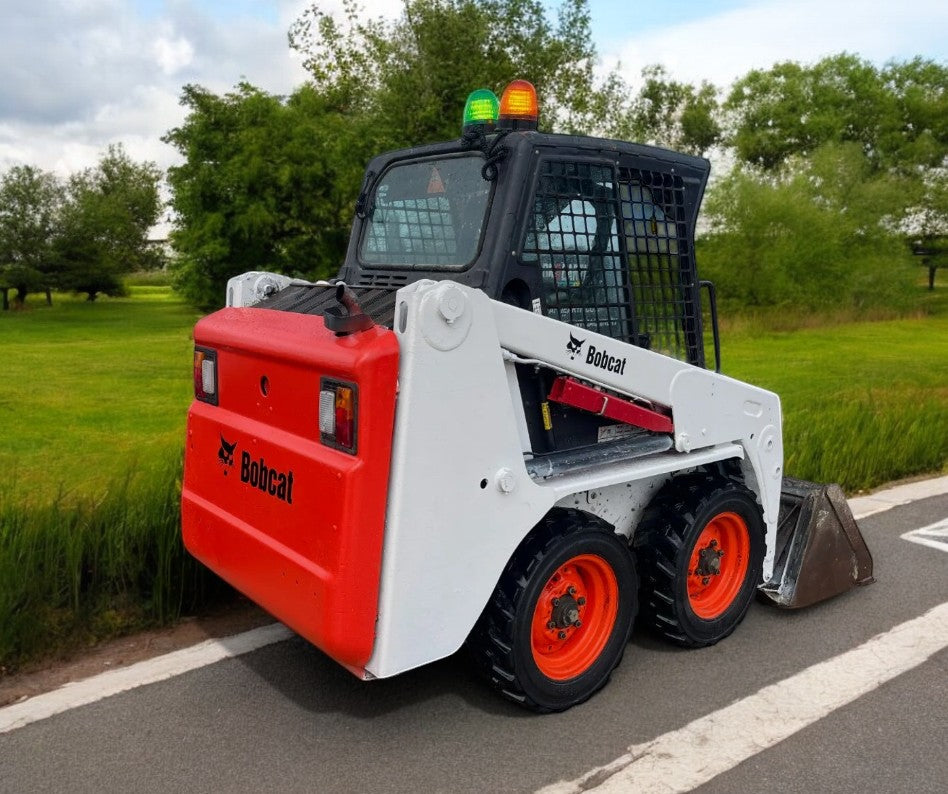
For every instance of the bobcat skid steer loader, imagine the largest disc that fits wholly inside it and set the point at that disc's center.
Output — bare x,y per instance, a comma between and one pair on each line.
496,427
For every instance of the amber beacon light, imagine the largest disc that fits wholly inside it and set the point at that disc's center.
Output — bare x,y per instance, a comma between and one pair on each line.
518,106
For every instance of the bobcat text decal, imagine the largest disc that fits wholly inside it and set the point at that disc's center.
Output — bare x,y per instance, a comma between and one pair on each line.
257,474
602,359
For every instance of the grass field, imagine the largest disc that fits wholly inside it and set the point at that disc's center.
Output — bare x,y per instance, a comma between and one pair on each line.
92,390
93,404
863,403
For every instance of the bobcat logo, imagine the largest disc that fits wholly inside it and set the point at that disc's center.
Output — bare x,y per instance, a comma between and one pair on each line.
573,346
226,453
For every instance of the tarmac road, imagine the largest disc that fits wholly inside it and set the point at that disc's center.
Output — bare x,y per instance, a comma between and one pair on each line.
286,718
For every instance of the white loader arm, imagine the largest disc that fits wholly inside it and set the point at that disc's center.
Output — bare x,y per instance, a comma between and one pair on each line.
707,408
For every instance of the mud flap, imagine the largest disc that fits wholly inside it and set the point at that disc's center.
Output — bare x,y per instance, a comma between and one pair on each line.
820,551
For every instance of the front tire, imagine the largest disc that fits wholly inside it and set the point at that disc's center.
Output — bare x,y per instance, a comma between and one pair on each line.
560,617
700,547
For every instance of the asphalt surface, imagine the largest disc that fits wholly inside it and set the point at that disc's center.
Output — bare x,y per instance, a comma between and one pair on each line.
286,718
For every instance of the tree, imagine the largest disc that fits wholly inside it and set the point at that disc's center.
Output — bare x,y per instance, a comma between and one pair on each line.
822,234
30,204
670,113
271,183
897,115
413,74
267,184
104,225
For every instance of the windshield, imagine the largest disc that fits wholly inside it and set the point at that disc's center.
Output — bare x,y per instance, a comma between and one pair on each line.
428,213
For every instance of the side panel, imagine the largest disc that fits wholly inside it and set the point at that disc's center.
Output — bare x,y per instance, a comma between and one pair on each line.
460,497
295,525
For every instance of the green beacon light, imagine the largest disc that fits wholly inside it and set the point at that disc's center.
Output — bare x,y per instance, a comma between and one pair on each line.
481,110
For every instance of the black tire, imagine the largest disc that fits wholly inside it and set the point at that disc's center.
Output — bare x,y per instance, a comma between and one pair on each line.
552,672
679,599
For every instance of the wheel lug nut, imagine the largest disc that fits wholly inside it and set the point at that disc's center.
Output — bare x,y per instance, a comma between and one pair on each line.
577,623
571,590
551,625
581,601
705,580
562,635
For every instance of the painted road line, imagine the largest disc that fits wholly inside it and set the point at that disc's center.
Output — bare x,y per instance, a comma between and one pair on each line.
691,756
934,535
865,506
89,690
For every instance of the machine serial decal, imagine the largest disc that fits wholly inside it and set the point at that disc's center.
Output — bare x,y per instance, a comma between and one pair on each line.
602,359
257,474
573,346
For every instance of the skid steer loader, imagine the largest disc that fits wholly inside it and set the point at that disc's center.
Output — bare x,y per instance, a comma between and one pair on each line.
496,427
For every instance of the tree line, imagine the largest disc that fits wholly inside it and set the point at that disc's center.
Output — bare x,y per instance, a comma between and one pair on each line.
81,233
834,163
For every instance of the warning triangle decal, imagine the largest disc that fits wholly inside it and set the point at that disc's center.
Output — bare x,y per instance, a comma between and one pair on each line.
435,184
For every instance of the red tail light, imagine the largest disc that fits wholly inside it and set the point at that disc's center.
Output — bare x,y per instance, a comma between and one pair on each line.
205,375
338,415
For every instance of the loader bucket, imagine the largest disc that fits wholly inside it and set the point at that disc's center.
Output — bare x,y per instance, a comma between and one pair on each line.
820,552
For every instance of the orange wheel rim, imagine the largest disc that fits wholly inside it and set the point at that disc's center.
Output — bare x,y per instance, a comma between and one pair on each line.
574,617
718,565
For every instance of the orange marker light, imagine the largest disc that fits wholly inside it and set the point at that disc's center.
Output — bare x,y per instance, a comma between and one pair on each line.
518,106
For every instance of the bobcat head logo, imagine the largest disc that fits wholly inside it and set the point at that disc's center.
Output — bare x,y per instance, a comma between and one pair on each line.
226,453
573,346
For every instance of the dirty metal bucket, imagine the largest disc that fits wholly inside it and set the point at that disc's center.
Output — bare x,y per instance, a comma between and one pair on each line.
820,551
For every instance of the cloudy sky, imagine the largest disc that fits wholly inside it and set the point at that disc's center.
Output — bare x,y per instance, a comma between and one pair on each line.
76,75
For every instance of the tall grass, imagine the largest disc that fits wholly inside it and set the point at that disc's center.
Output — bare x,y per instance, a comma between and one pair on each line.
76,569
863,403
863,442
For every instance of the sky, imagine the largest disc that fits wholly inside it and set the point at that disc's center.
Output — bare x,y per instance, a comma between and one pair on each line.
78,75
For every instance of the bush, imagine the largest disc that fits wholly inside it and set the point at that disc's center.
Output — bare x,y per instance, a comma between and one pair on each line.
821,237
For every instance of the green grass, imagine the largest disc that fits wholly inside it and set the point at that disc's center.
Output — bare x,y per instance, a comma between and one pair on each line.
148,278
90,390
862,403
93,407
93,404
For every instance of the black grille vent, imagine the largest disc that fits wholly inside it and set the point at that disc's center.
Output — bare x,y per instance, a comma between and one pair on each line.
391,280
379,304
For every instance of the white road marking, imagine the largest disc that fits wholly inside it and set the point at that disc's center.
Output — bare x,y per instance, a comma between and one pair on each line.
101,686
89,690
690,756
934,535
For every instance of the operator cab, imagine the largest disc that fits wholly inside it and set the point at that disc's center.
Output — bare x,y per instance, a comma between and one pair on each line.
594,232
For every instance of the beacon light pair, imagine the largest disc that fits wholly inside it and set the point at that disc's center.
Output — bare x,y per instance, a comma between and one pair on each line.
515,110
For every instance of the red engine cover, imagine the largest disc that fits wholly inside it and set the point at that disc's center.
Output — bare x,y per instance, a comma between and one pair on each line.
295,525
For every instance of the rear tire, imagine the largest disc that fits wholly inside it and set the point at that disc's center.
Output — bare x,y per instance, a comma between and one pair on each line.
700,548
560,617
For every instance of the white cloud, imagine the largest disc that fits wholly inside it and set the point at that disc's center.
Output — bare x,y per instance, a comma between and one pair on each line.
173,56
77,75
723,47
